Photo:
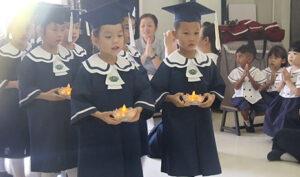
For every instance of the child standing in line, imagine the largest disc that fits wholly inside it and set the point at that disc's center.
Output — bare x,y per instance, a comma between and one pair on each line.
14,136
72,20
134,56
283,112
188,142
106,81
277,58
247,80
43,72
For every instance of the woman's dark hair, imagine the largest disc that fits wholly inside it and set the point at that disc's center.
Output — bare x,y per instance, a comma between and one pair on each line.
295,46
153,17
209,31
279,52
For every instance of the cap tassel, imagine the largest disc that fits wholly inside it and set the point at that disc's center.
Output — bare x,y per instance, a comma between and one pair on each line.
87,27
133,12
132,42
71,28
218,43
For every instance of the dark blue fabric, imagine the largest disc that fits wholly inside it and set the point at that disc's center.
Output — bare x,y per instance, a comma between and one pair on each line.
243,104
269,96
109,150
14,133
282,113
155,141
53,141
188,142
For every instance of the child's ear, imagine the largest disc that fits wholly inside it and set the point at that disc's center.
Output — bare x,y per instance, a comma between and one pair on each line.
206,39
94,40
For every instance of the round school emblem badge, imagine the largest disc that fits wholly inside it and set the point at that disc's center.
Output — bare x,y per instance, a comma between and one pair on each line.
59,67
113,78
193,71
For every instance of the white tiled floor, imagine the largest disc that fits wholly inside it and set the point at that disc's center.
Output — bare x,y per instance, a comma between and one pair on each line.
240,156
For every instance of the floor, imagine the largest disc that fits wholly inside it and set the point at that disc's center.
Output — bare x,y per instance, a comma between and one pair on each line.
240,156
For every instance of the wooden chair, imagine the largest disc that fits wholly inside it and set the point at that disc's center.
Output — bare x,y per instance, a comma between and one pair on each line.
236,129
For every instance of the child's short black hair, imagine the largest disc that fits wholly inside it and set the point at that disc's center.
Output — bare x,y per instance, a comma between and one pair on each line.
209,31
96,31
177,25
295,46
246,49
153,17
279,52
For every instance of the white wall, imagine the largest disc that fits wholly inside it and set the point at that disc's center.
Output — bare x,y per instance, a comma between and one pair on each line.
214,5
264,13
165,19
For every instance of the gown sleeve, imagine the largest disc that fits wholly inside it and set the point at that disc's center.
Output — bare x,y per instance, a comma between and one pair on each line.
217,85
3,73
28,90
81,104
143,95
160,85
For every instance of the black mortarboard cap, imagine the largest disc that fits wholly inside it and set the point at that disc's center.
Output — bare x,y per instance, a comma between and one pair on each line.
110,13
188,12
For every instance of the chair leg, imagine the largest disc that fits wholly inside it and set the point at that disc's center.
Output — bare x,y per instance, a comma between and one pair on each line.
223,121
237,124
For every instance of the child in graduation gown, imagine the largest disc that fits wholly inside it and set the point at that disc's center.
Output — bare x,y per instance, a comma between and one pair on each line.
134,56
71,35
43,71
106,81
188,143
14,136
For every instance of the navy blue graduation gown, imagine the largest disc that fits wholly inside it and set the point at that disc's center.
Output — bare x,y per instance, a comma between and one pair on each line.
14,133
108,150
79,56
52,139
134,57
188,142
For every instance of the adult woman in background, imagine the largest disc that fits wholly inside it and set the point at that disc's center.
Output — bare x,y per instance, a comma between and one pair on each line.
151,48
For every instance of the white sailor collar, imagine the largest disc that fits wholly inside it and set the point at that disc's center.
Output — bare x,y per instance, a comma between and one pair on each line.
10,51
79,51
133,51
269,71
95,64
250,71
38,54
295,72
177,60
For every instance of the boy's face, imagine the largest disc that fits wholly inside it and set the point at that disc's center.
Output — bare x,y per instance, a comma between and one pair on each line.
75,32
110,39
126,29
294,58
188,35
243,58
53,33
